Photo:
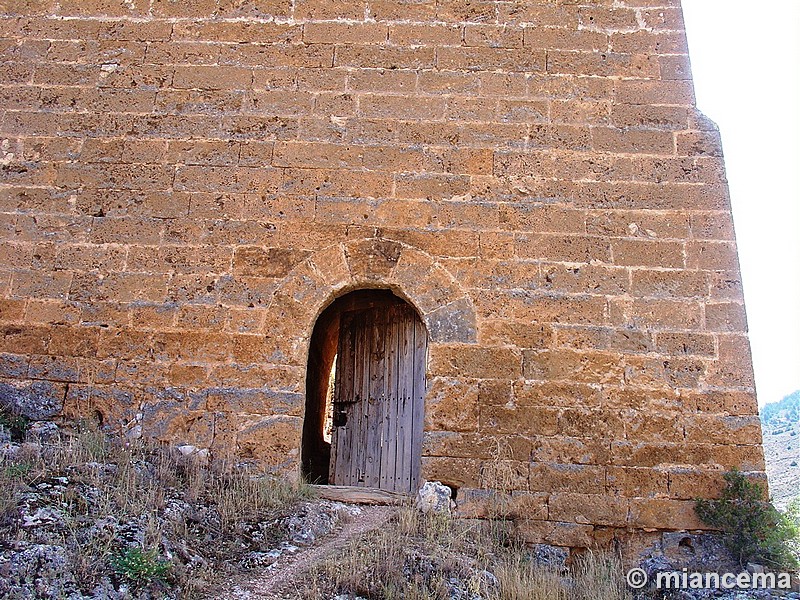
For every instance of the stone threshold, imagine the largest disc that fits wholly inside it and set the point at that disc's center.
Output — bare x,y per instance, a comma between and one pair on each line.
360,495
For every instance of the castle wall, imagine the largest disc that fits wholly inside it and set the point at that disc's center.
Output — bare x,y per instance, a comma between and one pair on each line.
187,185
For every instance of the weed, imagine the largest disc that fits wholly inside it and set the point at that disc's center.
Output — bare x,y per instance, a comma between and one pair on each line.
598,576
17,470
88,547
16,423
139,566
91,443
519,579
501,474
242,497
10,489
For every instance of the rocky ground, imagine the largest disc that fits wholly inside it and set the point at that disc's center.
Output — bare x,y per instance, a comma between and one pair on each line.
288,572
83,516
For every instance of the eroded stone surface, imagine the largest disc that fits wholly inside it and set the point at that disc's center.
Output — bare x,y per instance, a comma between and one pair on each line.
35,400
537,183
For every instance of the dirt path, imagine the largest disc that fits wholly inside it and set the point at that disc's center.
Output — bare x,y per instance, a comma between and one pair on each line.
280,575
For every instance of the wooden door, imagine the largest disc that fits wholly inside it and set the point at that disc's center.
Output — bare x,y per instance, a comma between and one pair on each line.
379,399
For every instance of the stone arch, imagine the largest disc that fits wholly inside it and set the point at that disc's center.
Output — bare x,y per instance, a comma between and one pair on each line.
411,274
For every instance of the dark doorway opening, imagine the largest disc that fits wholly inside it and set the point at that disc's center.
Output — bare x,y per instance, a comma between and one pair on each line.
365,389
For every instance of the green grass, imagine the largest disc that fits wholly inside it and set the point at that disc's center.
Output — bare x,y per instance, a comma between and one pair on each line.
142,567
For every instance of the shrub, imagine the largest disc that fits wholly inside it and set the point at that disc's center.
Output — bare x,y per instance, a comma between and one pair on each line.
754,530
792,519
140,567
16,423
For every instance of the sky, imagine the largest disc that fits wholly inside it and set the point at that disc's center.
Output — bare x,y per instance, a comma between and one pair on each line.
745,60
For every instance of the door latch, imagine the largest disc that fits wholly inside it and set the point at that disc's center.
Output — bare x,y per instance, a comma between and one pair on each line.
339,418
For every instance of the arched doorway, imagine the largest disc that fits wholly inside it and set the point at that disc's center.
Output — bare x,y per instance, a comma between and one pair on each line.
365,390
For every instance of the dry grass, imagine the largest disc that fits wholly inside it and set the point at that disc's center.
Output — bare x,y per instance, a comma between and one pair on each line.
418,557
239,497
600,576
415,557
410,558
131,485
520,580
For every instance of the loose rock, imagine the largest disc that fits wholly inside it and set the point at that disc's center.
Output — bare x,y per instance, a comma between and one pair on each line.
434,497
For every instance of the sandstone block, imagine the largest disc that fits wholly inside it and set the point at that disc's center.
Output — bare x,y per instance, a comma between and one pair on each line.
266,262
454,322
470,361
385,57
562,448
423,35
725,316
456,445
555,477
458,473
689,484
35,400
584,367
574,535
112,406
665,514
538,421
344,33
452,405
556,394
591,509
490,59
270,440
637,482
563,38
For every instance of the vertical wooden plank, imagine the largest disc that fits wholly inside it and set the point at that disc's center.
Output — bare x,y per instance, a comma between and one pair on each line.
396,443
418,408
343,393
408,408
369,401
377,394
389,370
366,391
351,427
403,475
361,383
397,403
388,427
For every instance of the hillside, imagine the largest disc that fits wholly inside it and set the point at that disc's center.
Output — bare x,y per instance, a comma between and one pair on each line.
92,517
781,427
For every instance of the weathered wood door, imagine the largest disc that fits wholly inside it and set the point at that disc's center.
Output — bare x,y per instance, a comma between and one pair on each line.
379,399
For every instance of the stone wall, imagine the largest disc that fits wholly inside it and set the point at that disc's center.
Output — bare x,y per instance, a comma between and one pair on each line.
187,184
